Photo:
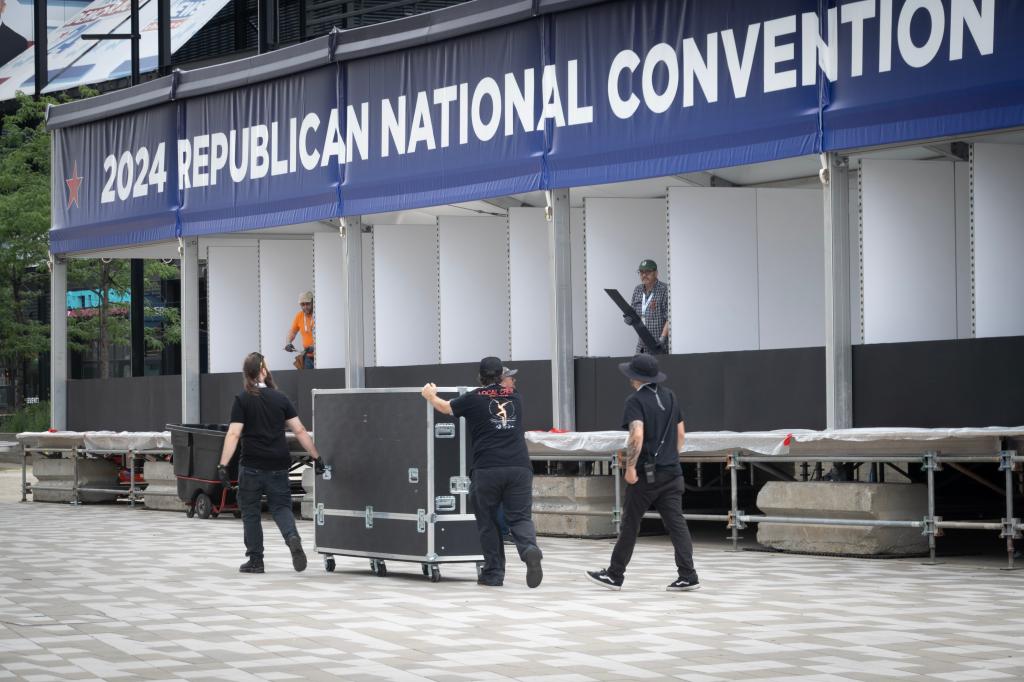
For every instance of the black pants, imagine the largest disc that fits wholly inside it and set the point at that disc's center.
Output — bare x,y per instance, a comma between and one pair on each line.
512,488
253,484
666,494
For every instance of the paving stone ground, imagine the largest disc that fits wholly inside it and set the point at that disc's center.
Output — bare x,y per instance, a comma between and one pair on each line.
104,592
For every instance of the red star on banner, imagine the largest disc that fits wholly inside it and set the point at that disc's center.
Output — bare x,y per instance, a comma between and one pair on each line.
74,184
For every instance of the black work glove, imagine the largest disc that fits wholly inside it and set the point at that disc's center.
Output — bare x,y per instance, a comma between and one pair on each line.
290,348
222,474
629,319
318,467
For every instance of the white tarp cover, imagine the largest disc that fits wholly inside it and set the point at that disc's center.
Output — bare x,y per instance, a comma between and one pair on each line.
763,442
73,61
96,441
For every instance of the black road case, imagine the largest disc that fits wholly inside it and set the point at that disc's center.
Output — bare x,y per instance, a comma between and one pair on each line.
396,482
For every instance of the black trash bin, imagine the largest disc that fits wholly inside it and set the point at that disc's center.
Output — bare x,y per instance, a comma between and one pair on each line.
197,450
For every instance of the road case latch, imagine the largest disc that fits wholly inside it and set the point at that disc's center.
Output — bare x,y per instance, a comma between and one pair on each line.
369,516
444,503
319,516
414,475
421,520
327,472
444,430
458,485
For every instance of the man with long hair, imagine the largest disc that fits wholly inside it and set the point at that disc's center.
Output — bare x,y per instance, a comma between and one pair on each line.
259,416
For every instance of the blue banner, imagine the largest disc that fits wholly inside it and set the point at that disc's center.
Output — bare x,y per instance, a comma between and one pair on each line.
610,92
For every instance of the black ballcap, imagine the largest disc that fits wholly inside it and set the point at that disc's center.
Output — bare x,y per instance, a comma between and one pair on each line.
648,264
643,368
490,366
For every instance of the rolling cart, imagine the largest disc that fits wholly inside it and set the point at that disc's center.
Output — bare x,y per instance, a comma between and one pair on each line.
197,449
396,480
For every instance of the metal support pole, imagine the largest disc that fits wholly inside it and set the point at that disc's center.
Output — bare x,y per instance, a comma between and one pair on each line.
838,353
74,481
58,343
931,463
266,22
138,317
563,380
42,76
734,464
24,473
190,331
1010,525
352,263
163,36
131,479
136,36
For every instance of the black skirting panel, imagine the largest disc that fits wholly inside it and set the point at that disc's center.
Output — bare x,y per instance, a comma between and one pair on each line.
533,380
736,391
972,382
934,384
124,404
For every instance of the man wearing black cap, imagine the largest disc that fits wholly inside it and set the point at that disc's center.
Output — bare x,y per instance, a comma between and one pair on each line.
500,473
650,306
656,434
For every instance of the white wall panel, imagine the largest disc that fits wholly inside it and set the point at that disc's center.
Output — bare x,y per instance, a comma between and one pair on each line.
909,239
962,194
529,283
328,276
999,239
791,267
474,288
619,234
286,270
713,233
369,305
233,298
405,294
579,281
856,318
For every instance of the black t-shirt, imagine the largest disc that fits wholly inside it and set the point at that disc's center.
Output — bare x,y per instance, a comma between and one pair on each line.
643,405
495,418
264,445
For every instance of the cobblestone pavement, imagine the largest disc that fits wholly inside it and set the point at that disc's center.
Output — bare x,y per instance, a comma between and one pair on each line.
108,593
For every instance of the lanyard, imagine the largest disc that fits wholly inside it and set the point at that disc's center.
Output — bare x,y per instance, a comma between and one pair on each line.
647,299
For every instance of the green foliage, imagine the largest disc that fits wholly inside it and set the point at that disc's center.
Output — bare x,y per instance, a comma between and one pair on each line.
29,418
24,224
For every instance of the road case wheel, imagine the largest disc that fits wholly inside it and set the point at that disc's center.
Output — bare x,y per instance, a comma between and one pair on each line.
203,506
190,509
435,574
426,569
378,567
237,514
329,564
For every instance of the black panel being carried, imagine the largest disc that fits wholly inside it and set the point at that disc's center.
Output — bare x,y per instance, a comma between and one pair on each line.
934,384
736,391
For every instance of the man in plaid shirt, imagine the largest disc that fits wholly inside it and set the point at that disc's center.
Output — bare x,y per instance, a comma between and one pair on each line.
650,303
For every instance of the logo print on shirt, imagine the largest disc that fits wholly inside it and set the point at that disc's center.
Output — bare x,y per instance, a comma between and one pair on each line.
503,414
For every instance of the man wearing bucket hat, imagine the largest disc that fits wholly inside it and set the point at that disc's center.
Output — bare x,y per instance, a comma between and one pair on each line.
305,324
500,474
650,306
656,432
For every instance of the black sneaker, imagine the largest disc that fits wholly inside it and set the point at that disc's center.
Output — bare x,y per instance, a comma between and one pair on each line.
604,580
489,582
534,574
683,585
253,565
298,556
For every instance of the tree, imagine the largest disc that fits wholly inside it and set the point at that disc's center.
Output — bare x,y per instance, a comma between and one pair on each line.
24,224
110,325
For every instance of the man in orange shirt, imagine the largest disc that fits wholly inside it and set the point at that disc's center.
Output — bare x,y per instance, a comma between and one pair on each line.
305,324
